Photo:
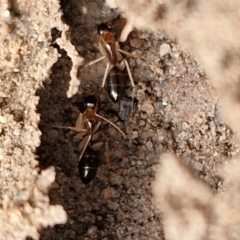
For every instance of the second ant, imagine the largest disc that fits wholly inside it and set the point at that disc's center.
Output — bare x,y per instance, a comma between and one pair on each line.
87,126
114,76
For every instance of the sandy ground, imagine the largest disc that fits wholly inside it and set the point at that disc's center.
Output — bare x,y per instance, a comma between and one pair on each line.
174,111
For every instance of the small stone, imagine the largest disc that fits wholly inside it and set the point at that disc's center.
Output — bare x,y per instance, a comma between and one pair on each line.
198,166
172,71
165,99
129,237
215,154
157,88
113,205
133,163
2,119
139,163
149,145
168,108
158,106
92,230
165,49
136,42
144,115
16,70
22,196
148,108
199,120
222,138
109,193
205,127
185,125
142,123
135,134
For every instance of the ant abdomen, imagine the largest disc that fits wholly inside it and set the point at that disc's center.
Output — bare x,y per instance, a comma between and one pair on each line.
88,165
115,84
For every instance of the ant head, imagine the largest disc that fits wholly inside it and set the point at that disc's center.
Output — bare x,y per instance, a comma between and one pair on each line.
103,27
90,101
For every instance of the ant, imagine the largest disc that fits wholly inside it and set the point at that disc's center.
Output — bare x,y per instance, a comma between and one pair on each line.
110,49
87,126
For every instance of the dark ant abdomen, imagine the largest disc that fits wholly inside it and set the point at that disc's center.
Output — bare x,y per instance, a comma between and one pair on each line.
115,84
88,165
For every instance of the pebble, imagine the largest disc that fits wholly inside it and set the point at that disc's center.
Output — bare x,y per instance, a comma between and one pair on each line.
215,154
2,119
148,108
139,163
136,42
198,166
135,134
172,71
149,145
185,125
129,237
92,230
109,193
199,120
22,196
113,206
142,123
222,138
133,163
165,49
144,115
168,108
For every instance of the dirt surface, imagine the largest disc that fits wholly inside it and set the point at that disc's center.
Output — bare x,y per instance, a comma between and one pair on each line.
174,112
25,58
172,109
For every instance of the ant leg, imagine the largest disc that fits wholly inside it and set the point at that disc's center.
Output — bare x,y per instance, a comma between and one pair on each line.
121,65
71,128
87,140
95,61
132,82
108,69
127,53
79,126
105,75
129,72
111,123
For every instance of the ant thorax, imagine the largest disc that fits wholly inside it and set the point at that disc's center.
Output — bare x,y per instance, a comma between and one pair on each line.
90,120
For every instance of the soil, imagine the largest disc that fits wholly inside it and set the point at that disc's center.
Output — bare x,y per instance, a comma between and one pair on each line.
173,111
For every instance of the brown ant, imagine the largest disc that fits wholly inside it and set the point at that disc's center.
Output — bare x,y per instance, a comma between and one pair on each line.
110,49
87,126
